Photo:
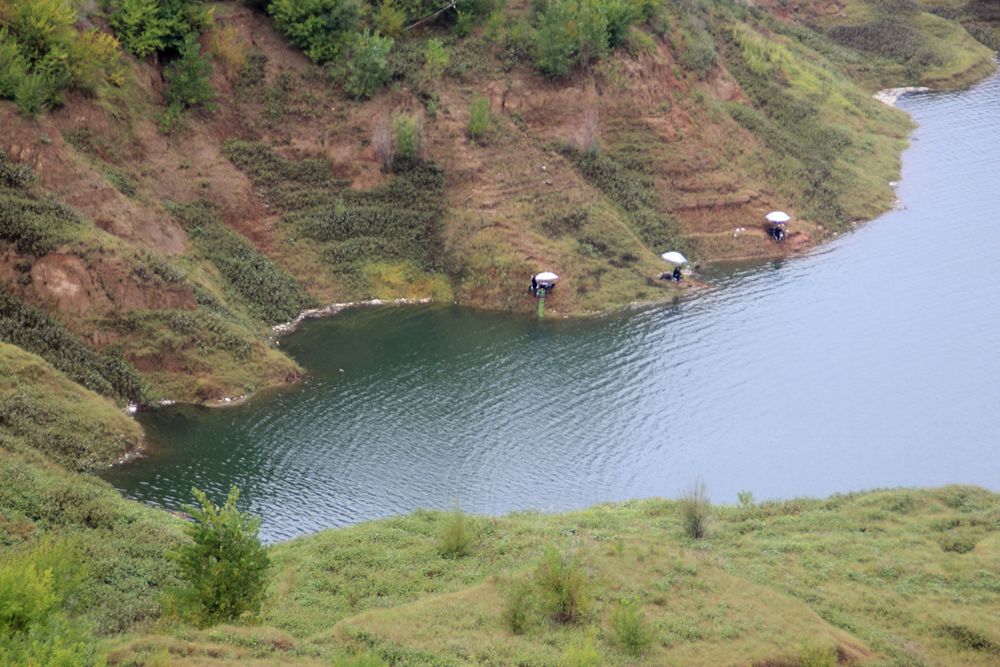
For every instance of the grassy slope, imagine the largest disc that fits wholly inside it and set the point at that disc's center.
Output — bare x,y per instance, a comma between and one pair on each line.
885,578
117,545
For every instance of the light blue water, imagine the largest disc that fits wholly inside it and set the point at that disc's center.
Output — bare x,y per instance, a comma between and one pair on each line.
874,362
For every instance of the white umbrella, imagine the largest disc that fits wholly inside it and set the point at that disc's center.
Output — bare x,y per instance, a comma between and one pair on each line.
778,217
674,257
546,277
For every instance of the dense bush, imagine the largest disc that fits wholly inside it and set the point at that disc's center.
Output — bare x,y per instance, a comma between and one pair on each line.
156,26
120,542
577,32
224,567
269,293
318,27
14,175
42,54
892,38
31,329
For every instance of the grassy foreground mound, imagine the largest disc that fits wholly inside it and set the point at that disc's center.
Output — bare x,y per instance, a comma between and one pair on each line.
901,577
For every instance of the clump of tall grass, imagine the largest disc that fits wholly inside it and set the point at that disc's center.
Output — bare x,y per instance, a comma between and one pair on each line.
696,511
457,535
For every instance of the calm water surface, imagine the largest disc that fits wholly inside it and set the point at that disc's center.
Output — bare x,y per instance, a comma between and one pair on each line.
874,362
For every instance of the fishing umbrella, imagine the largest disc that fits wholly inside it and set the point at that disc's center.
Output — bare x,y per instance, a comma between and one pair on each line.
778,217
674,257
546,277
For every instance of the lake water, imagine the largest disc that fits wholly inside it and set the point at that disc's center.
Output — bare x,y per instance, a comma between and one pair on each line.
874,362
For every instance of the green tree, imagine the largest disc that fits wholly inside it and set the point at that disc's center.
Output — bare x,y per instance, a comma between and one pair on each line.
225,566
368,68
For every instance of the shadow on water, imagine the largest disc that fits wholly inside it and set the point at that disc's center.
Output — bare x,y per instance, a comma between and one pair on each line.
869,363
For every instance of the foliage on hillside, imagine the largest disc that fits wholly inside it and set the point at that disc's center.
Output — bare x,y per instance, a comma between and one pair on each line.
42,54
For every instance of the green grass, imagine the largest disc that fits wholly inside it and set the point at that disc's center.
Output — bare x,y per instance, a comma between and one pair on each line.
39,404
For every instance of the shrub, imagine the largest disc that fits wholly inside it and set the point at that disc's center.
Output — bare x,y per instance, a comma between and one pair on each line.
818,656
436,59
407,135
630,629
457,535
157,26
555,42
518,604
42,54
695,510
318,27
367,69
34,630
480,122
562,587
225,567
15,175
390,19
584,654
586,140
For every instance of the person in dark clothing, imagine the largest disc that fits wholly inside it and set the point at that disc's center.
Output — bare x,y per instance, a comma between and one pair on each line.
677,274
534,286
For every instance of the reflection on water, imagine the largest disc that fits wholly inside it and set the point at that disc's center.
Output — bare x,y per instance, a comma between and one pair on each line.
872,362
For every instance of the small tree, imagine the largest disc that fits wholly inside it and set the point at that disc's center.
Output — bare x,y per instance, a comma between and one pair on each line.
367,69
225,566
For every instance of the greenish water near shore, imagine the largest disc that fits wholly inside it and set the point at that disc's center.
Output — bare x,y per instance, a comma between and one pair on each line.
867,364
